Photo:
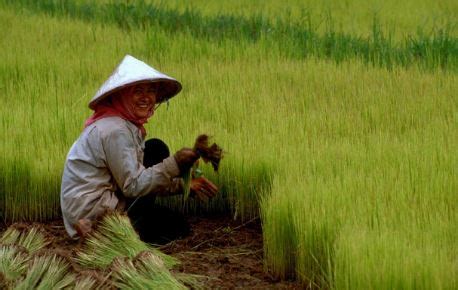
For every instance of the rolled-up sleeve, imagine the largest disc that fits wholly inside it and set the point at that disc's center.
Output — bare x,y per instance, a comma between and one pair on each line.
130,175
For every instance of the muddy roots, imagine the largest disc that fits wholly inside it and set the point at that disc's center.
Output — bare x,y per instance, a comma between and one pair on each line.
212,153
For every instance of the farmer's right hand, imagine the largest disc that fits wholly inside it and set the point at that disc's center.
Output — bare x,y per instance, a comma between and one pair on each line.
203,189
185,158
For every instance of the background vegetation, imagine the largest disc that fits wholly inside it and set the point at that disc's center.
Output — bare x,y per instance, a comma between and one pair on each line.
340,127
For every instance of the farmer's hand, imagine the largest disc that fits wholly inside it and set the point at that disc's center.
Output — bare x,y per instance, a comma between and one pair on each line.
203,188
185,158
83,227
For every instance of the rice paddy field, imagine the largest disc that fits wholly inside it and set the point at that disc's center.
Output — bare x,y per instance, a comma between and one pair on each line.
339,121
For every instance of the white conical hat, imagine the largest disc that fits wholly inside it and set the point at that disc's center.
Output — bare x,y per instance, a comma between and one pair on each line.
133,71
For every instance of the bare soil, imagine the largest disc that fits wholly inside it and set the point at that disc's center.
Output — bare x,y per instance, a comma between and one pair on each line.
229,254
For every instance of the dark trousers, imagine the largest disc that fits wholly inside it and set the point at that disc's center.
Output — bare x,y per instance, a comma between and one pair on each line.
156,224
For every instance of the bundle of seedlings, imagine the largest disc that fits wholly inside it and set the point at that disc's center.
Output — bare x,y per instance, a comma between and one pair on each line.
87,279
115,245
209,153
114,237
46,272
32,240
13,265
85,283
145,271
25,265
16,248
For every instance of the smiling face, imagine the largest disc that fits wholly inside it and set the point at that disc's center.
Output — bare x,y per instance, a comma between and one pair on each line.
140,99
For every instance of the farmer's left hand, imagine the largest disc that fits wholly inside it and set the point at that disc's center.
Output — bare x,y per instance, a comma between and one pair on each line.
203,188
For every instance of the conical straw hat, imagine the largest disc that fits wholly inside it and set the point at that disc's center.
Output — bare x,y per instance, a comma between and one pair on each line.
133,71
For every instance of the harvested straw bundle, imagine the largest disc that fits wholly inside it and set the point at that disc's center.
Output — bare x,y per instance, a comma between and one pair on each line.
115,237
146,271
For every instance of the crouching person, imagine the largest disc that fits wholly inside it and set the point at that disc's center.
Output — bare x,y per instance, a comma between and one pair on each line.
111,167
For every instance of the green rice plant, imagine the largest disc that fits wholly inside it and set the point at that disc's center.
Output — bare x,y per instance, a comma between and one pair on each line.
399,17
387,259
43,97
187,176
115,237
146,271
315,250
433,50
32,240
46,272
18,176
375,172
279,234
240,186
13,264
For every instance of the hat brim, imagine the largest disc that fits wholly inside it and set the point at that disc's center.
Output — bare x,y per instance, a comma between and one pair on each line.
167,89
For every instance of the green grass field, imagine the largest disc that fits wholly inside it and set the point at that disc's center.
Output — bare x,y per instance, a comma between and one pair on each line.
345,143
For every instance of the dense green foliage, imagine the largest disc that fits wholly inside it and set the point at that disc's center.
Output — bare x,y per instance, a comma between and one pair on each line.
431,48
351,166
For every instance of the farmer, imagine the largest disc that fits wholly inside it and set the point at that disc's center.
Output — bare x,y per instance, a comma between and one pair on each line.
111,167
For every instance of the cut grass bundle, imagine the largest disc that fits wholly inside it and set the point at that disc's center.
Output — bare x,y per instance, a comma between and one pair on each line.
134,264
32,240
85,283
146,271
18,258
115,237
47,272
13,264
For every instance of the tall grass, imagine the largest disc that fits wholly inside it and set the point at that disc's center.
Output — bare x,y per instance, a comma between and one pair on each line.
433,48
353,16
354,165
373,184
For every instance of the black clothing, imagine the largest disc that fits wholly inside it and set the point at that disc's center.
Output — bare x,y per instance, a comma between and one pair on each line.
156,224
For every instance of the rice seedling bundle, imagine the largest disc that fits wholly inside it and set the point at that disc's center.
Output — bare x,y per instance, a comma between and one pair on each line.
46,272
134,264
13,264
32,240
115,237
146,271
24,266
86,282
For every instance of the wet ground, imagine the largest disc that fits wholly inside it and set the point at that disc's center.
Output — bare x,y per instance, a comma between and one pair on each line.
229,254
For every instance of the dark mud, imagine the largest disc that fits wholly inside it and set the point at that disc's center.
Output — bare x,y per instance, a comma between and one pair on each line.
230,254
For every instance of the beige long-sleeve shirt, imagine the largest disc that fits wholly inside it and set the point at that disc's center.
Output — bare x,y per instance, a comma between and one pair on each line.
108,156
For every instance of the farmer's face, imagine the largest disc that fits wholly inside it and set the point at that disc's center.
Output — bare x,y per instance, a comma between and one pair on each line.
142,99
